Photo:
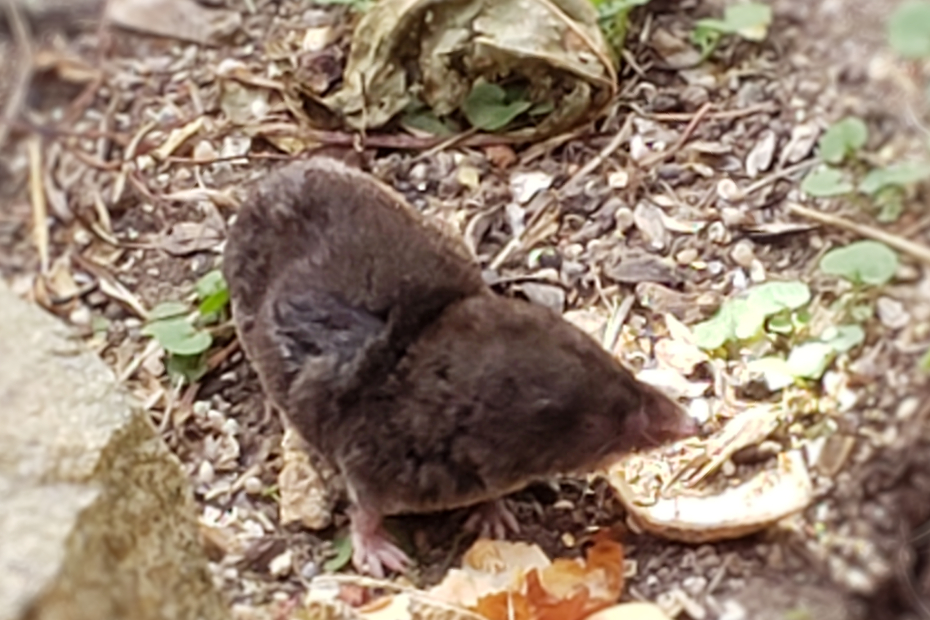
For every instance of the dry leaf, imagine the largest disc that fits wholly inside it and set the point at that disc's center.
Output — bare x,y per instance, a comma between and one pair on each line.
557,47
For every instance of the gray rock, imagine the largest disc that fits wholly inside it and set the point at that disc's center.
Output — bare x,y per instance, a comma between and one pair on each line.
97,520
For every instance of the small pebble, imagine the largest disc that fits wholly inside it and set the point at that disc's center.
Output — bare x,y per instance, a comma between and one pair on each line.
740,281
742,253
280,565
80,316
757,271
310,570
686,256
891,313
623,218
205,473
618,179
252,485
729,190
907,408
717,233
732,217
732,611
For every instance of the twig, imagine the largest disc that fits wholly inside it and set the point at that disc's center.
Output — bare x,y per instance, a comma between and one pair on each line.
458,138
622,136
37,198
915,250
658,158
679,117
25,65
779,174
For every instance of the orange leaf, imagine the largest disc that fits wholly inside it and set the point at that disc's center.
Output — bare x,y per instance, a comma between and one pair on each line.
607,554
504,606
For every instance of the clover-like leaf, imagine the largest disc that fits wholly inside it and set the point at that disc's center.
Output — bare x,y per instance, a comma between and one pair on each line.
773,297
909,29
749,20
168,310
190,368
843,338
900,174
825,181
178,336
487,107
743,318
862,262
842,139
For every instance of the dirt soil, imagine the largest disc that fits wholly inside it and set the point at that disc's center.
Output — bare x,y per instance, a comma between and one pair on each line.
128,229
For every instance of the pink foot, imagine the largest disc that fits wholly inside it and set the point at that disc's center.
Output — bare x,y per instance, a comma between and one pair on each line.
372,552
493,520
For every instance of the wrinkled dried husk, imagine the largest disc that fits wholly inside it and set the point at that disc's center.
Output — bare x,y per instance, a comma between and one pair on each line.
433,50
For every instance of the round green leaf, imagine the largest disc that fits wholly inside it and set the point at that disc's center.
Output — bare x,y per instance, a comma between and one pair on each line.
901,174
909,29
810,360
843,138
168,309
843,337
773,297
862,262
714,332
824,181
178,336
748,319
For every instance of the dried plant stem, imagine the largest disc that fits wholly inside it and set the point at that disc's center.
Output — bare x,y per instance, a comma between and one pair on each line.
915,250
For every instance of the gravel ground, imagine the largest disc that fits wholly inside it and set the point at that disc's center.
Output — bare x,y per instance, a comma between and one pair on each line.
130,229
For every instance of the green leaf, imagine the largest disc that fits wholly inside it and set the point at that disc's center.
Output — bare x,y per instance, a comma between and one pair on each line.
909,29
210,284
212,292
343,546
487,108
190,368
825,181
427,121
773,297
178,336
843,338
810,360
714,332
890,203
749,20
168,310
861,313
743,318
862,262
901,174
705,38
843,138
781,324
